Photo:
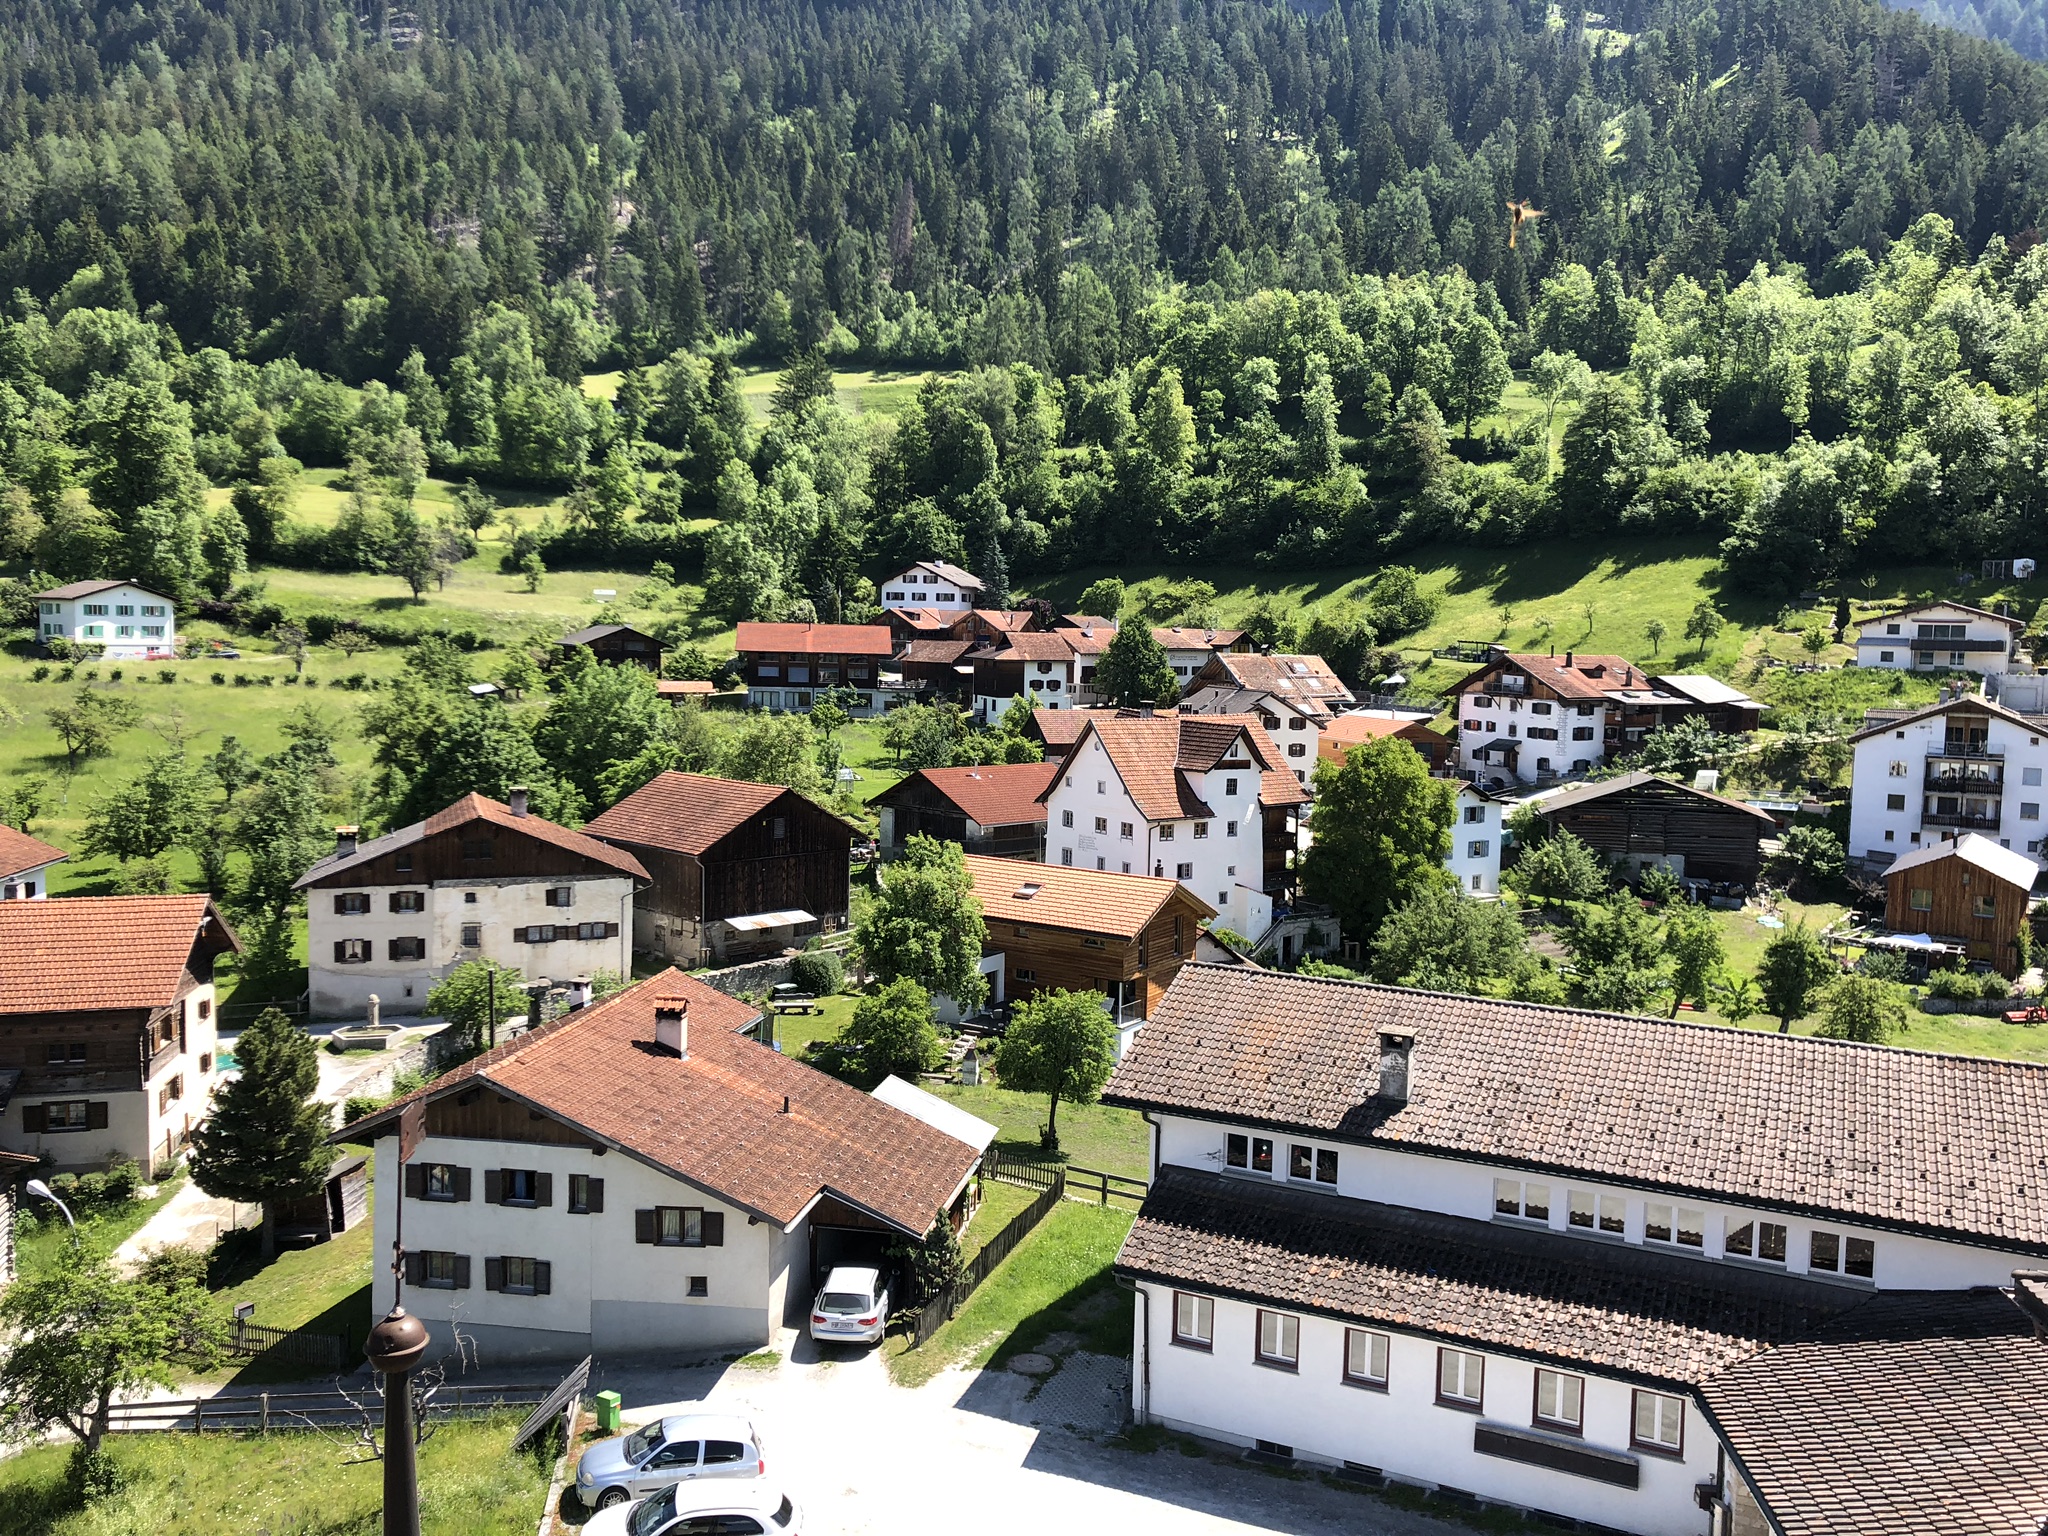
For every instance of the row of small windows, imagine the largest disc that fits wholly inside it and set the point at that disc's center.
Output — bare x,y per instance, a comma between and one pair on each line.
1254,1154
1685,1227
1166,830
120,610
363,951
357,903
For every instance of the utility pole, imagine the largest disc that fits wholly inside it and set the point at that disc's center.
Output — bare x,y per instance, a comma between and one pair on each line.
395,1347
491,982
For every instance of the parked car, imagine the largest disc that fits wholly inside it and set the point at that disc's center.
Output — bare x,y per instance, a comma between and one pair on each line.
682,1448
703,1509
853,1308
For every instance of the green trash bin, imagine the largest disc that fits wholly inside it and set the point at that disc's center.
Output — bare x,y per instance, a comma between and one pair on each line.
608,1412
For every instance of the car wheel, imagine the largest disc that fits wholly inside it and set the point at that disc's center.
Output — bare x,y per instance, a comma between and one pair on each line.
611,1497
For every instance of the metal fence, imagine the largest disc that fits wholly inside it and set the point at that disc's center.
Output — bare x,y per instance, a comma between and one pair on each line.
322,1351
261,1412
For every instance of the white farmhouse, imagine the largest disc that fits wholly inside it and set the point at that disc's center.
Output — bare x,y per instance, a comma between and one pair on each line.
132,622
933,585
1939,637
1203,799
481,880
1530,719
643,1176
25,865
1647,1276
1478,825
1962,765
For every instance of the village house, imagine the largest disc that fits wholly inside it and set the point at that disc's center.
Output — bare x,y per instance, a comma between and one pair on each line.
127,621
937,669
1044,668
1056,730
737,870
615,644
1642,819
784,665
1344,732
642,1176
993,810
1533,719
1306,680
1940,637
1189,648
907,625
1964,764
1727,710
481,880
25,864
1655,1277
107,1028
1289,721
1052,927
1479,835
932,584
1969,892
1203,799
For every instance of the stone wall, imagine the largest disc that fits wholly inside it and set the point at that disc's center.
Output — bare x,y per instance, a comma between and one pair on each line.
740,980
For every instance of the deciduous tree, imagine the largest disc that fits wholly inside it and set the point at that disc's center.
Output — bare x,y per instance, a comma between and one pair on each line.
925,923
1061,1044
1383,829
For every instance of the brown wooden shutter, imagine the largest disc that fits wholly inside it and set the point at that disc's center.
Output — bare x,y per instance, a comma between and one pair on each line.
341,906
543,1277
494,1186
462,1271
415,1181
596,1196
643,1226
462,1183
494,1274
543,1189
96,1115
415,1269
34,1119
714,1229
340,951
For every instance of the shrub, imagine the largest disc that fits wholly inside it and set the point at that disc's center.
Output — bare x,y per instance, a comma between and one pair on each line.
92,674
113,674
64,674
356,1106
123,1180
220,677
39,671
1956,986
1884,965
817,972
166,674
1993,985
167,1267
357,681
241,679
1658,885
292,681
264,680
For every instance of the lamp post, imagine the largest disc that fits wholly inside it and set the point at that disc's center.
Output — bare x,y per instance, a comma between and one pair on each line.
394,1347
36,1189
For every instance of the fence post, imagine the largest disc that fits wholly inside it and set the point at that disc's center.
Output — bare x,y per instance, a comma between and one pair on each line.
266,1413
198,1413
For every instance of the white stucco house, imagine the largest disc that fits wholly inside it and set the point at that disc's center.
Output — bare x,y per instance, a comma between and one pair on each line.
936,586
25,865
1940,637
481,880
1964,764
132,622
1477,827
644,1176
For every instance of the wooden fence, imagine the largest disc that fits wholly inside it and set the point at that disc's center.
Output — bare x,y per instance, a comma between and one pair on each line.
1081,1183
927,1320
262,1412
322,1351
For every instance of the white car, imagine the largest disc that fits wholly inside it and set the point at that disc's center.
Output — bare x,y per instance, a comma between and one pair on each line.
682,1448
702,1509
853,1308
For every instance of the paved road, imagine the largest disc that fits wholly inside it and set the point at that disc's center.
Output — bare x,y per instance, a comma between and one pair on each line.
995,1453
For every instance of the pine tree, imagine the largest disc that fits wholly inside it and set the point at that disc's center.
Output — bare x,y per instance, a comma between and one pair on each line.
266,1140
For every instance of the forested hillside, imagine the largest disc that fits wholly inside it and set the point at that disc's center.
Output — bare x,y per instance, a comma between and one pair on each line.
2023,27
1205,283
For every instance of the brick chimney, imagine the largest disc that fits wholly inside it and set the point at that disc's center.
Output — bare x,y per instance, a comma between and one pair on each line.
1397,1047
672,1024
515,800
345,841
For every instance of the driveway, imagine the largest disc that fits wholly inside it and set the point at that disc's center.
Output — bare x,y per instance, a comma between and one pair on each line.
994,1452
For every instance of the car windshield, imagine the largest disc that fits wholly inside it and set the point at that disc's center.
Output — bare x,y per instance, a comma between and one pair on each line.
843,1302
653,1513
641,1441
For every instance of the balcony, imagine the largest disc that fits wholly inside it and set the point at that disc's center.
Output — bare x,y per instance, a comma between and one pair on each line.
1960,819
1507,687
1955,781
1967,749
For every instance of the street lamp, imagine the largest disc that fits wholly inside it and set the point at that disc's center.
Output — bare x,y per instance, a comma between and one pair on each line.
37,1189
395,1346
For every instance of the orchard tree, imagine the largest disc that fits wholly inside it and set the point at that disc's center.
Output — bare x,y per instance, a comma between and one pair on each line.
1704,625
895,1032
1061,1044
1383,829
265,1141
1794,968
475,997
88,724
145,818
1441,941
1692,941
1861,1008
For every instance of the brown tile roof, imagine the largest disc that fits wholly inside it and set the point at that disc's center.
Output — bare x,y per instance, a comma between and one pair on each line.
1034,645
1079,900
88,588
1086,621
1153,754
1349,730
1062,727
1662,1317
716,1118
474,808
688,812
76,954
1006,794
19,851
1573,675
814,639
939,652
1196,638
602,632
1008,620
1305,680
687,688
1907,1140
935,619
1920,1413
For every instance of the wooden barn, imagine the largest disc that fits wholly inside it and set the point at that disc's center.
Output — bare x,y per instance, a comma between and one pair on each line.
616,644
1649,820
343,1201
1968,891
739,870
993,810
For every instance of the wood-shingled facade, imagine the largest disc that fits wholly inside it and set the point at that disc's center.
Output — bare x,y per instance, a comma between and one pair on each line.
1960,902
1647,820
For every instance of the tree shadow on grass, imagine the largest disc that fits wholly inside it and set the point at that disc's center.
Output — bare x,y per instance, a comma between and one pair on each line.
348,1318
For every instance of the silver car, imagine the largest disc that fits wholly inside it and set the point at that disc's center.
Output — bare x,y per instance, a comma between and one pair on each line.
682,1448
853,1308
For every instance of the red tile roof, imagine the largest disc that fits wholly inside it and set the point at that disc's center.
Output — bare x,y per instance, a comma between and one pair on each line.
1572,675
1004,795
1196,638
688,812
687,688
80,954
814,639
1303,680
1153,754
1009,620
1079,900
1047,645
941,652
935,619
19,851
716,1117
475,808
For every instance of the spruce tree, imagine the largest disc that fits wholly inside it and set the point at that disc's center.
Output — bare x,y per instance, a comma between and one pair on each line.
266,1140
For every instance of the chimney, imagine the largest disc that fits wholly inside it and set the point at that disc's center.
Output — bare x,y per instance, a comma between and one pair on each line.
1397,1046
344,841
672,1024
1567,660
579,992
515,800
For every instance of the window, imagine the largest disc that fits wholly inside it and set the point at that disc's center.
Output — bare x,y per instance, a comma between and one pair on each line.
1194,1320
1166,832
472,935
1579,1210
1230,786
442,1181
2030,810
1476,849
1475,813
124,610
1102,823
1758,1240
1659,1423
1365,1358
1066,818
408,901
586,1195
441,1271
1230,829
1262,1155
1326,1165
1829,1254
66,1115
1613,1215
1895,802
521,1277
1531,1202
469,898
69,1054
561,896
352,904
1183,871
96,610
153,610
675,1226
1297,749
535,933
1686,1228
1126,831
1067,858
2030,776
1237,1150
1301,1161
1201,829
1279,1340
1582,733
1560,1400
700,1285
408,949
1984,906
1920,898
351,951
1460,1378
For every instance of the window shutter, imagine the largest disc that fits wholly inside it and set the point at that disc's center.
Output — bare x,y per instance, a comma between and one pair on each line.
33,1120
494,1274
543,1277
341,906
596,1196
643,1226
462,1183
714,1229
96,1115
462,1271
340,951
494,1186
415,1181
543,1189
415,1269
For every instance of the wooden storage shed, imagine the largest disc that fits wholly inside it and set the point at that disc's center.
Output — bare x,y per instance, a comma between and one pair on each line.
1969,891
1649,820
342,1202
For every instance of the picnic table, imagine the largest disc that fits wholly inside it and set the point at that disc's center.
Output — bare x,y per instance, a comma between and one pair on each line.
795,1002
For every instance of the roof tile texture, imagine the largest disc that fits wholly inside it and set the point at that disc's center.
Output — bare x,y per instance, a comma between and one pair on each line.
685,812
469,809
1081,900
1153,754
815,639
19,851
1005,794
77,954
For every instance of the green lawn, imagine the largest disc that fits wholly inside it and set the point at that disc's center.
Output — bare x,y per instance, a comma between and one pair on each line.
1000,1204
40,1250
1091,1135
268,1485
885,392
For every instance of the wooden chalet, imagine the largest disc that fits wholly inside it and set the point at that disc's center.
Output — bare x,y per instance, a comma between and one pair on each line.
907,625
1968,891
1125,936
1348,731
1646,820
784,664
739,870
994,810
616,644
